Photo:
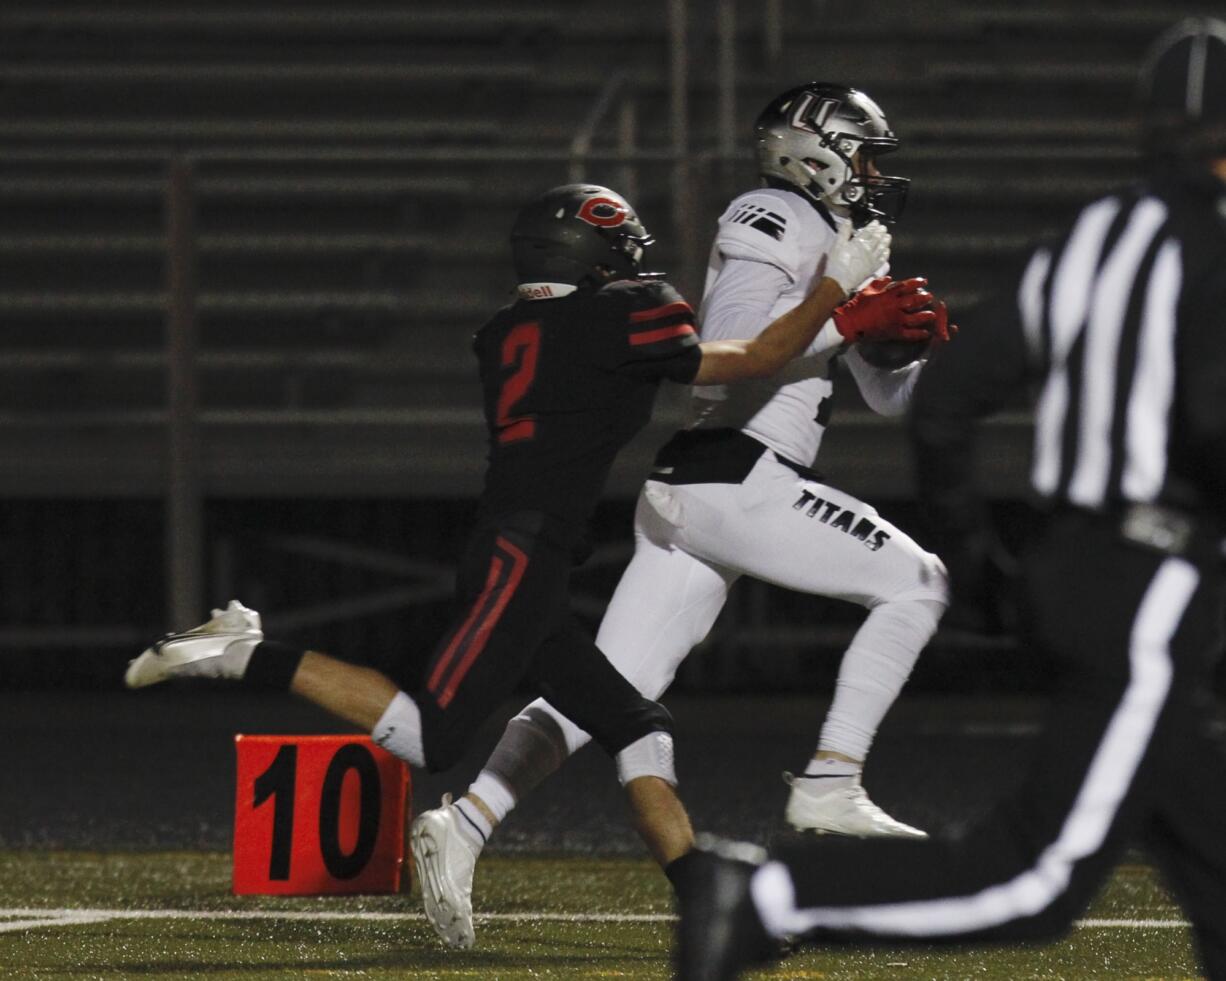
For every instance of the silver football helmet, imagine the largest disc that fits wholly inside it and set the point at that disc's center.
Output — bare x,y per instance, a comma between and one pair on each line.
820,139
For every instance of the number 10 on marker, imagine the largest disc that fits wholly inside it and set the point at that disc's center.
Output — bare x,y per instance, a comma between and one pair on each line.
316,815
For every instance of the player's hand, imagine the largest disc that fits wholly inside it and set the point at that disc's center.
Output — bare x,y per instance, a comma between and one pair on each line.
942,330
854,258
888,310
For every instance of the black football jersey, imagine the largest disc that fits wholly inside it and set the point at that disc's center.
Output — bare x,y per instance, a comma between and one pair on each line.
567,382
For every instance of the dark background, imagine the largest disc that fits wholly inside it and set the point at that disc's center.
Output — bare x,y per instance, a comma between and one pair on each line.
350,172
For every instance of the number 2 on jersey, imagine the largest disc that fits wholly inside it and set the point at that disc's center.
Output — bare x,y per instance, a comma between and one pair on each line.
519,350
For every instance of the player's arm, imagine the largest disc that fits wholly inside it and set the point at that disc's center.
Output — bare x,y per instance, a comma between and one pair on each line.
785,338
852,260
886,389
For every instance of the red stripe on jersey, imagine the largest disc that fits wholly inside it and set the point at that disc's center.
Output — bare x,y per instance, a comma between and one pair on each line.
658,313
524,429
661,334
475,632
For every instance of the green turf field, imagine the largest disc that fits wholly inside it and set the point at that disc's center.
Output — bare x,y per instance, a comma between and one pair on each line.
171,915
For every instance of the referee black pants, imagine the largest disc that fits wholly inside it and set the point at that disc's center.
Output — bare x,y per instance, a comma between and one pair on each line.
513,625
1127,756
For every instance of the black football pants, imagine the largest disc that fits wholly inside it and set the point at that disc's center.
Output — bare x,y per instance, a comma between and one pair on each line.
1127,755
514,624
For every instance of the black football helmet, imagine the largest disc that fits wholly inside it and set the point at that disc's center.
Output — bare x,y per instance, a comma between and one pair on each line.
1182,91
808,138
582,234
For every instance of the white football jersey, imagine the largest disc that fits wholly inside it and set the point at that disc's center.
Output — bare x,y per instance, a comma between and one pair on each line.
786,239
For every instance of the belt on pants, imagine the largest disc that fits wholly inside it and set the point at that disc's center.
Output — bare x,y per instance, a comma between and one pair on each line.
807,472
1168,530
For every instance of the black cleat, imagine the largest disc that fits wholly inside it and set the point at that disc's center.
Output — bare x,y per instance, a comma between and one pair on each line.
719,933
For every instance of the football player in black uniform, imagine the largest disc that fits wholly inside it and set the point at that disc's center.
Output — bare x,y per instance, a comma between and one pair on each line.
569,373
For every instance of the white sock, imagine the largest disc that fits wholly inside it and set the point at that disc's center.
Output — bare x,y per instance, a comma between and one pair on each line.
832,768
474,825
494,794
399,730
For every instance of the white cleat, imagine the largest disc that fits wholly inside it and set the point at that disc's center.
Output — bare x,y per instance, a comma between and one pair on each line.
839,806
445,860
201,652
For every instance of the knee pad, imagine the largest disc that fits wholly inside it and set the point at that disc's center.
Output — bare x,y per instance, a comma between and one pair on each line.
615,724
648,756
646,748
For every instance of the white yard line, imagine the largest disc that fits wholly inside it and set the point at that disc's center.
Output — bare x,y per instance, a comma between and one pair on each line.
46,918
30,918
1130,924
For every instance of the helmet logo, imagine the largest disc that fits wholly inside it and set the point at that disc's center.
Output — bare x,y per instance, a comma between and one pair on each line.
603,212
811,113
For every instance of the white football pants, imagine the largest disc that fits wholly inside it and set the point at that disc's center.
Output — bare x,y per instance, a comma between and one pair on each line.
693,541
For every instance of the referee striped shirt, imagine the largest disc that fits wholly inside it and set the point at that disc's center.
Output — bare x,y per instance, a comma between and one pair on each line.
1100,311
1121,332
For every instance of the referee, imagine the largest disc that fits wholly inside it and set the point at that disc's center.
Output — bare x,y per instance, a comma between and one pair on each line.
1121,334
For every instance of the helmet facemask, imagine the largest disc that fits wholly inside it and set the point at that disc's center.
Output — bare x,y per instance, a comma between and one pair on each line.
626,252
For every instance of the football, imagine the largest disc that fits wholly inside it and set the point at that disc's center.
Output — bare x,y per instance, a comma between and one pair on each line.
892,354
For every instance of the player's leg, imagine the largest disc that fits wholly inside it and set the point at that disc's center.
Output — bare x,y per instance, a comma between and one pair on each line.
660,819
1110,617
1185,836
580,682
510,589
813,538
577,679
1188,787
231,646
475,667
365,698
575,676
511,592
664,605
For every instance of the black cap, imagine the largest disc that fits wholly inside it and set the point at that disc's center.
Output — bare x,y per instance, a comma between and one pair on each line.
1182,91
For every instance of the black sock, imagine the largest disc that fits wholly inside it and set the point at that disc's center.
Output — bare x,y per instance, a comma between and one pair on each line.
676,870
272,665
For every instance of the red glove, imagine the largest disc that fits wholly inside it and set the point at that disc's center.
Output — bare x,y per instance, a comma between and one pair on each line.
886,310
942,330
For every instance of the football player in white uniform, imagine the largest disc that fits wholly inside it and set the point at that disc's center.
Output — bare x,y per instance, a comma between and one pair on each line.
734,494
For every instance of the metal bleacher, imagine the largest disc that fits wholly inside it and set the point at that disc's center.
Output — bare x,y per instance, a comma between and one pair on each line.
354,170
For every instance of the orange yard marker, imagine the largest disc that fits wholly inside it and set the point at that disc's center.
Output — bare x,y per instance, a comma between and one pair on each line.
317,815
